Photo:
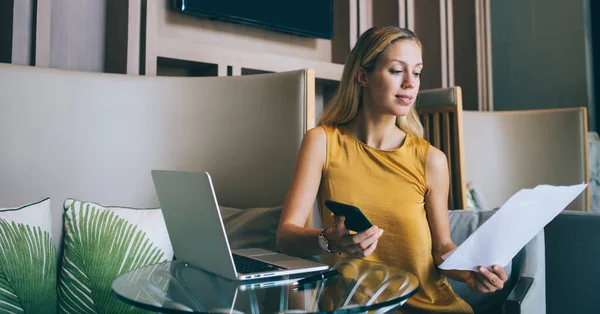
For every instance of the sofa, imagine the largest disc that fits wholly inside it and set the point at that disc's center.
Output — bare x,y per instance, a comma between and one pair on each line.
78,148
77,153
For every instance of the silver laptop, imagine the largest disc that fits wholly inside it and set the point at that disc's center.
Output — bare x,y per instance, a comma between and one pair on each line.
193,219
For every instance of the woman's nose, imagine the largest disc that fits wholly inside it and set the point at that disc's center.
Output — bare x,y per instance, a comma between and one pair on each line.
408,82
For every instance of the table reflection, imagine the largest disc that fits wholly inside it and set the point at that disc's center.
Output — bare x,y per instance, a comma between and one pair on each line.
179,287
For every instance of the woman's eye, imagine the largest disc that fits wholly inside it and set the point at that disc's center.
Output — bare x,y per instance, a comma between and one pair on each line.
417,74
396,71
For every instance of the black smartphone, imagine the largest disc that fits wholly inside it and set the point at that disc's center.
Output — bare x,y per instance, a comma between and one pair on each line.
355,219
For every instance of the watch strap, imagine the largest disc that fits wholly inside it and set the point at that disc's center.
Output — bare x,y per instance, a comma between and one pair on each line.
322,236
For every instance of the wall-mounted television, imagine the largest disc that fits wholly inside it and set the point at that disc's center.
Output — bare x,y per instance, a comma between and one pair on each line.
309,18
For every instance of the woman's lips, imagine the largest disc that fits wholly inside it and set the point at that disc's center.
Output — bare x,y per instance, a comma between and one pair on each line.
406,99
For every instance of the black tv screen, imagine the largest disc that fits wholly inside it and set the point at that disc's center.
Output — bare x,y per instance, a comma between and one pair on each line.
310,18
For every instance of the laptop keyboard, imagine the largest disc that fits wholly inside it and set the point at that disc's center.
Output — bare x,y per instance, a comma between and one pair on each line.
246,265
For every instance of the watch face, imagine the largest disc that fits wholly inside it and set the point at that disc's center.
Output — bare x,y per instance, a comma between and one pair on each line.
323,244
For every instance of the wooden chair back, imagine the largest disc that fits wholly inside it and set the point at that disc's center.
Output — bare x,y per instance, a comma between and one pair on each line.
440,111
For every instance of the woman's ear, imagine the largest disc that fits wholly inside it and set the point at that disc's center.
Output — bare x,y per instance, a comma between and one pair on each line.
362,77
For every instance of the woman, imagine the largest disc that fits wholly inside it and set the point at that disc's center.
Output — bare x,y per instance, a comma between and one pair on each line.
368,151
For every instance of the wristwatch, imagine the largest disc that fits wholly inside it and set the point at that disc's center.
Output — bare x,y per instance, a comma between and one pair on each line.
323,243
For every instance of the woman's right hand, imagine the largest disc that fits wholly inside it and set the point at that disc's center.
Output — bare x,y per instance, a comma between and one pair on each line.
357,245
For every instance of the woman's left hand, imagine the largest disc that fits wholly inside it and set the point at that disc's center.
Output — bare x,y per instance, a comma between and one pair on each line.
486,280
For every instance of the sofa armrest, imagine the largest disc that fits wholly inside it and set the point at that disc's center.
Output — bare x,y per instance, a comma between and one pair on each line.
517,296
529,296
572,250
529,293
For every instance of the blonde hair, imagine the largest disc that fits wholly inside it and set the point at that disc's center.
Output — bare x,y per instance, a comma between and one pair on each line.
343,106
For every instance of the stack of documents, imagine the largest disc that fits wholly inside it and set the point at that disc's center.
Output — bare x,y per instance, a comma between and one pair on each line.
518,221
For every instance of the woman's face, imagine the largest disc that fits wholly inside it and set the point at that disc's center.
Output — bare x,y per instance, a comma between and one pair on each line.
393,85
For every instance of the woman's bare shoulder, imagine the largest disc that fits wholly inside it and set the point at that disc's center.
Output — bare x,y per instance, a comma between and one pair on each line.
315,138
436,161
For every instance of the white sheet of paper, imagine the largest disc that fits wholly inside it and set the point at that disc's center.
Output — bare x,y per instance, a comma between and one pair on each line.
518,221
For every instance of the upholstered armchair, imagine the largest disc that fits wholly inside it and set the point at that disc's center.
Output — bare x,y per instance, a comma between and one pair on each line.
511,150
506,151
443,118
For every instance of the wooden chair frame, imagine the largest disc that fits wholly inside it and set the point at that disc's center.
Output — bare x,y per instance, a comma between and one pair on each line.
440,112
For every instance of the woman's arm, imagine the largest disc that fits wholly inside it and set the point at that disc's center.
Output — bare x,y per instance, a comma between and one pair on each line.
436,203
292,237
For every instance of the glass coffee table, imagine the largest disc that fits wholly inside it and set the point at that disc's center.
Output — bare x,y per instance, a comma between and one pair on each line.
177,287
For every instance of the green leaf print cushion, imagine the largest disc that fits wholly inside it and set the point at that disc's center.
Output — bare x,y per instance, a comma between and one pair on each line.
27,259
102,243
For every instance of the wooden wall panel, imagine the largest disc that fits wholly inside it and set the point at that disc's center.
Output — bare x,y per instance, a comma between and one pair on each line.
341,42
465,51
115,48
23,32
173,24
123,34
386,12
134,36
127,36
78,35
365,15
410,14
427,27
43,33
150,38
6,30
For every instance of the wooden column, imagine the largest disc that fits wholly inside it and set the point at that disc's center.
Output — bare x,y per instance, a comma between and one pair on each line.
149,50
344,29
122,47
236,70
21,51
428,27
365,16
134,20
43,33
465,51
484,55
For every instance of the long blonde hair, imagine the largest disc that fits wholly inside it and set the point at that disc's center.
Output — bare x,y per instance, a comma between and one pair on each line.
343,106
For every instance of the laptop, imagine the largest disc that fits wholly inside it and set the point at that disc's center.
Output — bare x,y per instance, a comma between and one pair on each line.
193,219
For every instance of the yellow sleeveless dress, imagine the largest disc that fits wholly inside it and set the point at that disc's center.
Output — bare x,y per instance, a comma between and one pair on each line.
389,187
